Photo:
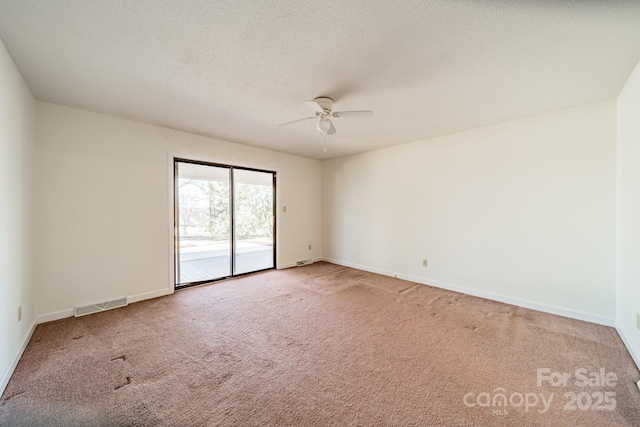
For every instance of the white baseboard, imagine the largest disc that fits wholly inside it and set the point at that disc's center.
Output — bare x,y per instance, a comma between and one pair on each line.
69,312
627,343
363,267
149,295
54,315
16,358
285,266
294,264
573,314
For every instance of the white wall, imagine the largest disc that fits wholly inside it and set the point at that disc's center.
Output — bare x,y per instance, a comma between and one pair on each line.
104,193
628,251
522,211
17,140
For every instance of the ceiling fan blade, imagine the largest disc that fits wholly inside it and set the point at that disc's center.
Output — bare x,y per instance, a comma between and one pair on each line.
296,121
331,130
314,106
363,114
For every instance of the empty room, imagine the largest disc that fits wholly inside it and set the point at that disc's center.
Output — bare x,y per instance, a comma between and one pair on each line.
279,213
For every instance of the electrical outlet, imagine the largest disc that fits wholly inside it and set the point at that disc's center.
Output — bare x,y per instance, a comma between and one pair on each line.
309,247
424,262
284,209
19,313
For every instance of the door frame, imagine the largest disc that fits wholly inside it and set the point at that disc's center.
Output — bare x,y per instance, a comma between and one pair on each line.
173,158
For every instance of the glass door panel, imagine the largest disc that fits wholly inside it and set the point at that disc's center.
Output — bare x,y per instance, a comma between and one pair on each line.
253,220
203,223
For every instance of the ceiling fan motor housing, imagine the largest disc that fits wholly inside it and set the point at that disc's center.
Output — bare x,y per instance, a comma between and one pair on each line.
325,103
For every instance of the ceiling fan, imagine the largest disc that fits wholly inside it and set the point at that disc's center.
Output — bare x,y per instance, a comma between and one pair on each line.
322,107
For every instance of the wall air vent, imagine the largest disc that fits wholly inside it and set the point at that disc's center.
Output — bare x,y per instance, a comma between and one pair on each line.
304,262
102,306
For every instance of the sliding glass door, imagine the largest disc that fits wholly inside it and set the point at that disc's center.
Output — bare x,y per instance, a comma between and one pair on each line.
225,221
253,220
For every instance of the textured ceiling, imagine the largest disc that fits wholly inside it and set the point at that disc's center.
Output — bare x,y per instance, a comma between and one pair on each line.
235,69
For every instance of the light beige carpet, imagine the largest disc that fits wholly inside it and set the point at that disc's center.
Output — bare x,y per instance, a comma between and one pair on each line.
321,345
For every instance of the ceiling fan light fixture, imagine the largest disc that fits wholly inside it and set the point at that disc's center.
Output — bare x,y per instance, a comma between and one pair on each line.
323,126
